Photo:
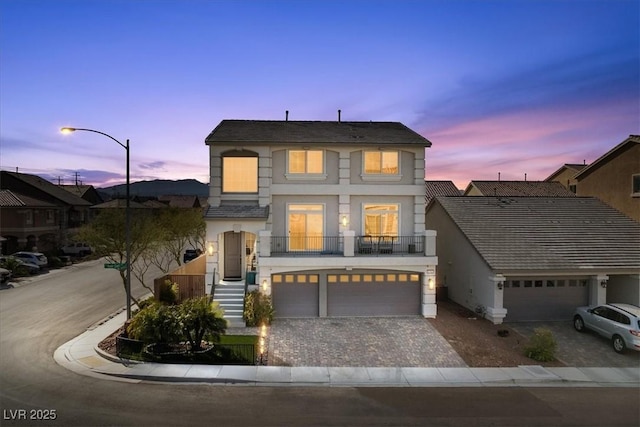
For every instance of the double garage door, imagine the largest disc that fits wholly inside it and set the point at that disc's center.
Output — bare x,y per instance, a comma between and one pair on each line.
544,299
346,294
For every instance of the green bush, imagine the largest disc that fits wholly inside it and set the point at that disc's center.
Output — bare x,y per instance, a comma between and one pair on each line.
168,293
542,346
155,323
199,316
258,309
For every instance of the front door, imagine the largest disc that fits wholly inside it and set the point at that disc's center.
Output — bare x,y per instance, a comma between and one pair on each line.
232,255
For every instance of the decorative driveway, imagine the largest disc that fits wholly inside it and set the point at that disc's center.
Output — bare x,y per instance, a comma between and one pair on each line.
359,341
577,349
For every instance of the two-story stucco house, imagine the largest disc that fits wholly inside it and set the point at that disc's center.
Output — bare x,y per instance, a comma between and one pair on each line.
327,217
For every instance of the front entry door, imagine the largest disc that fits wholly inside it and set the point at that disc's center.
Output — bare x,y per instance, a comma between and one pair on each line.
232,255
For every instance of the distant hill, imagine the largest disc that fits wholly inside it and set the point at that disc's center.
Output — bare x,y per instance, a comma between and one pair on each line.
158,187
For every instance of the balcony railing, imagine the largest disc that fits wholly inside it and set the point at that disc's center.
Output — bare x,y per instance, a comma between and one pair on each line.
389,245
335,245
307,245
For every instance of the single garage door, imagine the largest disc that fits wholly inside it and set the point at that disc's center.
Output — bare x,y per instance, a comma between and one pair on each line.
295,295
379,294
544,299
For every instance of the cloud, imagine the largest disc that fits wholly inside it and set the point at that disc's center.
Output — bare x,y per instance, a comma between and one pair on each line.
158,165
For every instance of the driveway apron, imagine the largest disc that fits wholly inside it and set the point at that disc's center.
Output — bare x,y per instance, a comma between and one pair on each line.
359,341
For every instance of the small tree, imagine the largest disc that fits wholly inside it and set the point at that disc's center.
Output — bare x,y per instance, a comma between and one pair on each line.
199,316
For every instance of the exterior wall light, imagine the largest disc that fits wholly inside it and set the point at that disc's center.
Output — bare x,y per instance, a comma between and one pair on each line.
210,248
431,283
500,285
345,221
603,283
264,285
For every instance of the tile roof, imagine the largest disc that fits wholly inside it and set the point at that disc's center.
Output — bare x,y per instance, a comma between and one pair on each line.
440,188
10,199
78,190
547,233
309,132
244,211
520,188
120,203
180,201
49,188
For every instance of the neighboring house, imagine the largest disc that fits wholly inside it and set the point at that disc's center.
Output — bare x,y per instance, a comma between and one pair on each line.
87,192
73,210
614,178
566,176
179,201
327,216
517,189
27,222
439,188
534,258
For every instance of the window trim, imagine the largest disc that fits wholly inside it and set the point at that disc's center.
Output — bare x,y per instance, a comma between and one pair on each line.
288,225
364,216
306,175
381,176
236,155
635,178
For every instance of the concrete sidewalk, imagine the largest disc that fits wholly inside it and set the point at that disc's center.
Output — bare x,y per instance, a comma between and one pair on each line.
82,356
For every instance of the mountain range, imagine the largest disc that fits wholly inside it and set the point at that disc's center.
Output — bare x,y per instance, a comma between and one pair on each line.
158,187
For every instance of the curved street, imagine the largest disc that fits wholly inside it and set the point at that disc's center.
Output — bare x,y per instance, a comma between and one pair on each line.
49,310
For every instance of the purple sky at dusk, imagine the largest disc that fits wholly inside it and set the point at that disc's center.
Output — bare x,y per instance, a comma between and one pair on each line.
504,86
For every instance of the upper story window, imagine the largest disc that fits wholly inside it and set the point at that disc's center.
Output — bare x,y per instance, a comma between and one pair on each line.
381,163
305,162
381,220
636,185
239,174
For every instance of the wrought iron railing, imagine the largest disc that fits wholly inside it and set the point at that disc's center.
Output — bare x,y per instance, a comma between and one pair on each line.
334,245
303,245
389,245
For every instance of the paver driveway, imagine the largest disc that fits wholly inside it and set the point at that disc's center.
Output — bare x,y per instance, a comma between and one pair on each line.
359,341
577,349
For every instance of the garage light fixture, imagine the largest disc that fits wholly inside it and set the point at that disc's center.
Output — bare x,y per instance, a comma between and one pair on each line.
603,283
210,248
431,283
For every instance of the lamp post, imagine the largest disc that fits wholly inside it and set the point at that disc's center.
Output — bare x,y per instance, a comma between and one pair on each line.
127,211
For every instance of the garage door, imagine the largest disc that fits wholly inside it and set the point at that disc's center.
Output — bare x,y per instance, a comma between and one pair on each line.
387,294
544,299
295,295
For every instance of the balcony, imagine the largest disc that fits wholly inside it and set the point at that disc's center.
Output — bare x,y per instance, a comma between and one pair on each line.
346,245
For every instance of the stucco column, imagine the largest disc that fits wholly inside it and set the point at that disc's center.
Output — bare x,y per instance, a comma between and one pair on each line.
349,238
429,307
430,242
496,311
598,289
264,243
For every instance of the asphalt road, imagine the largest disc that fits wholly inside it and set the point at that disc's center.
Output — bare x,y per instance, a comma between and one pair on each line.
39,316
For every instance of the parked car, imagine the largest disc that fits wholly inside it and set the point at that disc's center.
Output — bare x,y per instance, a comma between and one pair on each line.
618,322
36,258
77,249
5,275
6,261
190,254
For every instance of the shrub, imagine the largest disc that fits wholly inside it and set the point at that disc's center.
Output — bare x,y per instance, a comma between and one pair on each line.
198,317
168,293
542,346
258,309
155,323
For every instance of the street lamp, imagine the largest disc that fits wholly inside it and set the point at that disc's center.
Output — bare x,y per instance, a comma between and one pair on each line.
127,211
